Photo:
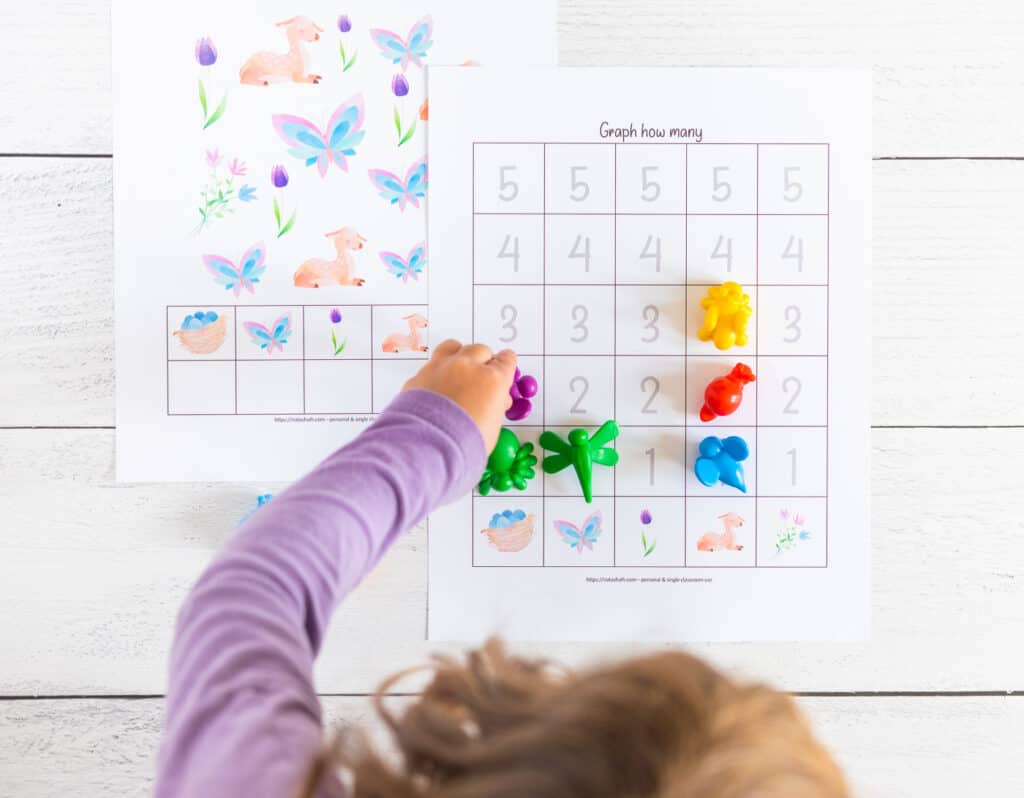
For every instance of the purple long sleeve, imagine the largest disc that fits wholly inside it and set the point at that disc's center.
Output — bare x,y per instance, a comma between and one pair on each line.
243,717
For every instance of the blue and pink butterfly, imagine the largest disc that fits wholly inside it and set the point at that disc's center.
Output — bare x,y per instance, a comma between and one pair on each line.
273,337
580,539
246,274
402,192
336,143
410,50
409,267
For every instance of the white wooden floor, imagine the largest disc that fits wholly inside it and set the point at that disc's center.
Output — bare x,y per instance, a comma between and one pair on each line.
91,572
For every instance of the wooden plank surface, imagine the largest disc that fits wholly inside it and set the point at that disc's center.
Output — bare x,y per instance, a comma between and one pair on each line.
898,747
948,77
947,298
92,574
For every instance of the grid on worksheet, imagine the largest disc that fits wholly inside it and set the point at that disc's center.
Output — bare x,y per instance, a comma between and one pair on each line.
590,259
335,359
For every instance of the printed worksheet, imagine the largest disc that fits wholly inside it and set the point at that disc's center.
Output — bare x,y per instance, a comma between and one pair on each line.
681,260
270,190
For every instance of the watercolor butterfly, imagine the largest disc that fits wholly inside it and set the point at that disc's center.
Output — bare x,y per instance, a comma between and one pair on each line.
313,146
411,49
270,339
579,539
402,192
410,266
235,278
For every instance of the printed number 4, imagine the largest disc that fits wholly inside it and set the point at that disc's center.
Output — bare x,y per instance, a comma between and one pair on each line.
513,253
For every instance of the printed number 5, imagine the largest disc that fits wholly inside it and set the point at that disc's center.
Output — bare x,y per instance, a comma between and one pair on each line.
651,188
508,318
508,189
580,188
792,190
722,188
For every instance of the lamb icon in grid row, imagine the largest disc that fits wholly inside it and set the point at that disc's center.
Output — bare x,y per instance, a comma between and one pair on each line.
317,272
722,541
397,342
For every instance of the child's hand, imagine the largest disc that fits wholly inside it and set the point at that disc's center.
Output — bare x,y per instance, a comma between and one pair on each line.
475,379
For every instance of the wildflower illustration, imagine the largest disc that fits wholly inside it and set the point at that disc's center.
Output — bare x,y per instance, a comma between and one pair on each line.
400,88
648,546
336,319
206,56
791,532
279,179
347,61
218,196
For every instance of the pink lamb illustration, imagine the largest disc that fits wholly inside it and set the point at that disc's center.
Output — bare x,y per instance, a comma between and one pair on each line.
317,272
266,67
396,342
726,541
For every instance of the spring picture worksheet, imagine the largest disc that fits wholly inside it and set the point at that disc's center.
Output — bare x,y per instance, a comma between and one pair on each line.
270,183
684,253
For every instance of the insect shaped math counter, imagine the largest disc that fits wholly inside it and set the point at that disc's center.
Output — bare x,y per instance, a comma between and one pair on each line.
591,260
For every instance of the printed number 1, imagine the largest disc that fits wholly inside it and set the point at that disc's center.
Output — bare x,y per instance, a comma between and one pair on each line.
792,460
650,454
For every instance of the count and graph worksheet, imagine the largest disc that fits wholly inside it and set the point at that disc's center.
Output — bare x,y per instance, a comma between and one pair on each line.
588,219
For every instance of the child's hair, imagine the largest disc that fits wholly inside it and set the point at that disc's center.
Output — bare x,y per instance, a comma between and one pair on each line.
666,724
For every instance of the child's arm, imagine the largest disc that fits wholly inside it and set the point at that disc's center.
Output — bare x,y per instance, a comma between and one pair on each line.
242,714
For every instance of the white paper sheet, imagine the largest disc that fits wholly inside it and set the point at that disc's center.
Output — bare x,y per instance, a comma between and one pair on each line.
581,216
197,398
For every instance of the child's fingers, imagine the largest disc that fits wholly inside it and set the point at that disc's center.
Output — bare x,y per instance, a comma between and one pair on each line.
446,348
505,361
478,353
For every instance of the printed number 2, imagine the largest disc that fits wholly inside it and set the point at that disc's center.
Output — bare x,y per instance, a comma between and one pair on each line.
794,386
584,387
652,385
508,322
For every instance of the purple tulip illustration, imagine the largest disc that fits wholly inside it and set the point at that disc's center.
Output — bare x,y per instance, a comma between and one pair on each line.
648,546
206,52
206,56
336,319
279,178
400,88
347,62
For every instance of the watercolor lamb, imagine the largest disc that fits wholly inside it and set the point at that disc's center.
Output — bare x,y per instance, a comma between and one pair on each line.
712,541
397,342
266,67
317,272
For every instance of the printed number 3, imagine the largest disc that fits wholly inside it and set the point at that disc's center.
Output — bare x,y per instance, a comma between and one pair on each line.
508,318
792,325
579,316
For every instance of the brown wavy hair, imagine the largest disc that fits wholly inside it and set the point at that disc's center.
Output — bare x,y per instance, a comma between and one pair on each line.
665,725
